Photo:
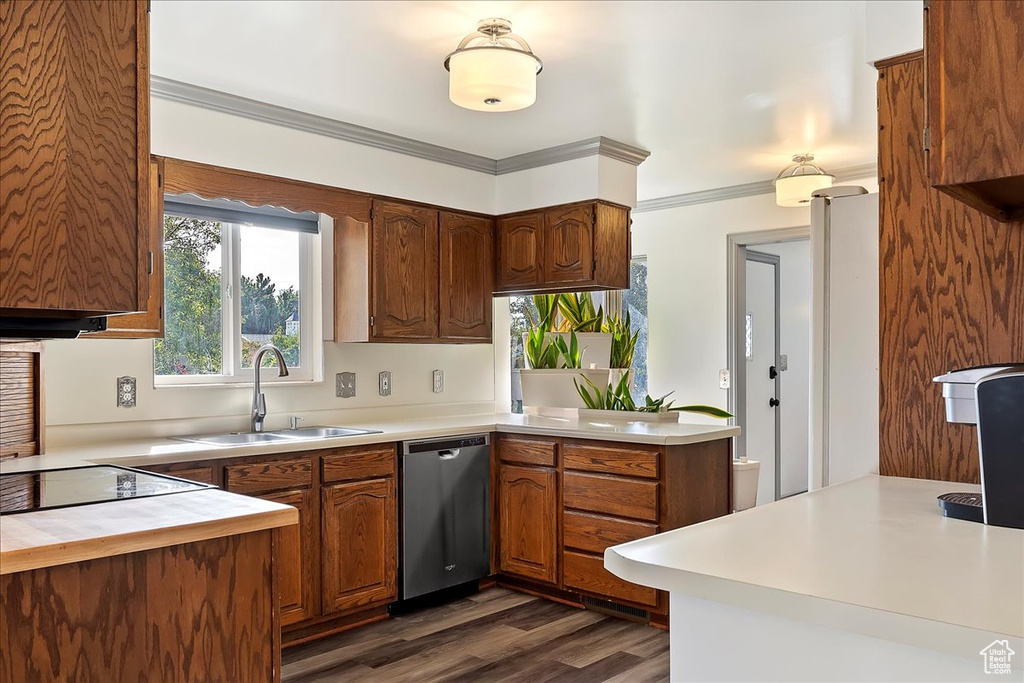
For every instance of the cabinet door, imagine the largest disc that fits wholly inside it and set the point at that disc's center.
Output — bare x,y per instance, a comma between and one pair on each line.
467,280
405,272
569,244
296,557
520,244
149,323
359,544
528,513
74,156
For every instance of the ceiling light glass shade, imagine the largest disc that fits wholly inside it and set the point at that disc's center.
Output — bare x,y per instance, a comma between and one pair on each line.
493,70
794,185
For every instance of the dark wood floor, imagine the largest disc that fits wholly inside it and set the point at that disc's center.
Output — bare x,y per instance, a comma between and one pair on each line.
496,635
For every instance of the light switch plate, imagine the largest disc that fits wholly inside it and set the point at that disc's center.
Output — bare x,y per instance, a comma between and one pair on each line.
345,384
723,379
783,362
438,381
385,382
127,392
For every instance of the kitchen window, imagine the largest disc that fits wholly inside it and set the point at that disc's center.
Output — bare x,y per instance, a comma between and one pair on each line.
235,278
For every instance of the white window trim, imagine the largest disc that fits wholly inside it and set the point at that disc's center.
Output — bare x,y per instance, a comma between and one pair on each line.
310,316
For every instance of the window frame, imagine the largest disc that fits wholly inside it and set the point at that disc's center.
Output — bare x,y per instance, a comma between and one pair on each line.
310,318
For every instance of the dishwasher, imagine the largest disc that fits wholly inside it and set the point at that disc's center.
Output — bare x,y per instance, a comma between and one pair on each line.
446,521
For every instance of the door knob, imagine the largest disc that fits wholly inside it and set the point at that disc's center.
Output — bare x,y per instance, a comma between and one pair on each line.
772,372
773,402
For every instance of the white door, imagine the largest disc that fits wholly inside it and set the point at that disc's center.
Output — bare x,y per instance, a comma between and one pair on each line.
760,349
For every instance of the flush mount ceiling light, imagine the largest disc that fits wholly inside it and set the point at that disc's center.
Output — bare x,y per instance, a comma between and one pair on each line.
493,69
796,182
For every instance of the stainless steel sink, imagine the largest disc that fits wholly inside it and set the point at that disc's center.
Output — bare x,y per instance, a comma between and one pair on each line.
323,432
233,438
279,436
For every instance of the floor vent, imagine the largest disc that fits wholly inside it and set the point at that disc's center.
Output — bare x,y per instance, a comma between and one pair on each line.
614,609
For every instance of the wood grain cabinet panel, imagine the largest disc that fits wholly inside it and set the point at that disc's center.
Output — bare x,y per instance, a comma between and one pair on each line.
611,495
974,63
350,464
467,277
528,514
590,456
74,156
22,419
595,533
569,244
296,557
203,475
359,527
526,450
266,476
148,323
405,271
520,250
587,573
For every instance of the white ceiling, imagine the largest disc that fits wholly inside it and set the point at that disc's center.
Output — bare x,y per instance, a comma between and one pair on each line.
721,93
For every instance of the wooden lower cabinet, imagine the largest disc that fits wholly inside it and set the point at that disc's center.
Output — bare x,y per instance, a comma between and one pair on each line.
528,513
296,557
587,573
360,544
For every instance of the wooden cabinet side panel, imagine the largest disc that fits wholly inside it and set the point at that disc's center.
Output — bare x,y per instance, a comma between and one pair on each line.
612,247
405,271
352,280
951,293
528,537
697,483
359,544
467,277
74,186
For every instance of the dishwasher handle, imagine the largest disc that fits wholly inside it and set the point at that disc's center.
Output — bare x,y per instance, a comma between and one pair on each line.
449,454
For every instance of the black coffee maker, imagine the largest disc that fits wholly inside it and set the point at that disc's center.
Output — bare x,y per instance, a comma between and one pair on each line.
991,397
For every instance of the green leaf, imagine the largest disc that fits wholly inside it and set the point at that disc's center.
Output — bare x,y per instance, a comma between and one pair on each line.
704,410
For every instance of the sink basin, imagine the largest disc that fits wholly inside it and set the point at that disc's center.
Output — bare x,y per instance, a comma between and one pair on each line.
323,432
279,436
234,438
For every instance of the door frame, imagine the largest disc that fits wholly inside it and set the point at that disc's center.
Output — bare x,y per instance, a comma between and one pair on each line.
776,263
736,288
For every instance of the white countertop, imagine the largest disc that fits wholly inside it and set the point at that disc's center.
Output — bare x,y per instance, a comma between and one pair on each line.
166,450
873,556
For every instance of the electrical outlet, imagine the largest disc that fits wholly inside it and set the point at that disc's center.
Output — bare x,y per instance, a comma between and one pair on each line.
127,392
345,384
438,381
783,362
385,382
723,378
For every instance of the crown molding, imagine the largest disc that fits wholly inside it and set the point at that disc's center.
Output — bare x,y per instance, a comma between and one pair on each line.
718,194
227,103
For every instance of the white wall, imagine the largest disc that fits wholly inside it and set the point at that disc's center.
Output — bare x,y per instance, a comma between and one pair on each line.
593,177
686,275
894,27
795,334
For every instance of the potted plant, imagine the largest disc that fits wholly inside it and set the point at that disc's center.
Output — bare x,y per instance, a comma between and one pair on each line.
622,348
554,366
615,403
560,314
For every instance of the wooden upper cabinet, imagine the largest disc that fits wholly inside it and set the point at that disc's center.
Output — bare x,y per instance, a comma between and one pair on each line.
359,544
405,272
148,323
74,157
467,277
528,522
974,71
573,247
520,249
569,244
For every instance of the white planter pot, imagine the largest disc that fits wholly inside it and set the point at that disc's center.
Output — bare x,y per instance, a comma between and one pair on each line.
555,388
626,416
596,346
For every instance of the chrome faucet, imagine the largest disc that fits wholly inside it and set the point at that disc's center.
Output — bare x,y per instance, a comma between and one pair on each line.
259,404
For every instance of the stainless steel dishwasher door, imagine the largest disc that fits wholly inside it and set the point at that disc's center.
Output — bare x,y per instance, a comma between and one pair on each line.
446,520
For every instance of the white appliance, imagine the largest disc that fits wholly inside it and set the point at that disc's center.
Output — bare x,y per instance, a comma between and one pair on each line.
844,336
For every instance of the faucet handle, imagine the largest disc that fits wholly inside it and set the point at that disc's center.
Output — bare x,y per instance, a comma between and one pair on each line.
294,420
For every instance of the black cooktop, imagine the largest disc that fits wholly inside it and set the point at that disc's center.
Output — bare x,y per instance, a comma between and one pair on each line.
59,488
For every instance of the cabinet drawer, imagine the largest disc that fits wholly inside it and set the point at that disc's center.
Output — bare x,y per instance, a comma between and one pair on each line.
594,533
268,476
633,462
587,572
527,451
611,495
358,463
203,475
